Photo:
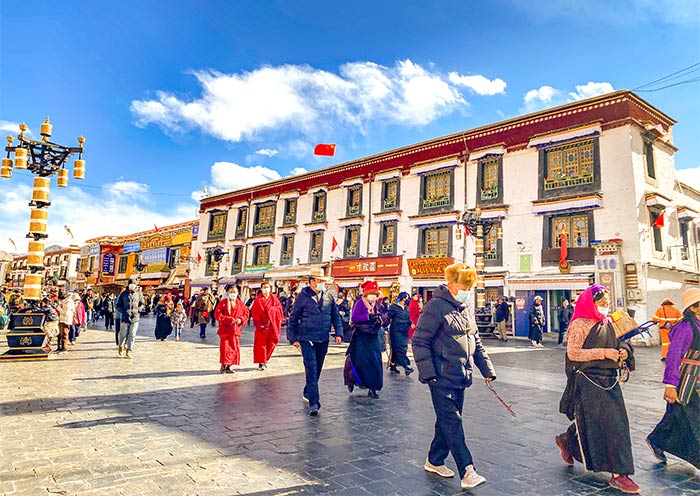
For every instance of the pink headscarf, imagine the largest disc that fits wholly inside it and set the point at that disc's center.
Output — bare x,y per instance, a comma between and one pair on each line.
585,306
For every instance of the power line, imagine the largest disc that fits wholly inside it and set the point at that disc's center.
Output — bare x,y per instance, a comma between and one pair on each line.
668,76
694,80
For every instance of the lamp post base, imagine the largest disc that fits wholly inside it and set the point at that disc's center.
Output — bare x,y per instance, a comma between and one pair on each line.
26,338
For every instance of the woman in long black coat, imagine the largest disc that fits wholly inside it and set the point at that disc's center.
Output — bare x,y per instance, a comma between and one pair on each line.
163,310
363,365
398,334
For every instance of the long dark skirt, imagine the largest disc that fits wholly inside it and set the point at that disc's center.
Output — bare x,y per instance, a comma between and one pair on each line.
163,326
600,435
399,347
678,432
364,365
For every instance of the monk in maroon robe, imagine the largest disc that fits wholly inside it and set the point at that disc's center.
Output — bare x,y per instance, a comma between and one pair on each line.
267,316
231,314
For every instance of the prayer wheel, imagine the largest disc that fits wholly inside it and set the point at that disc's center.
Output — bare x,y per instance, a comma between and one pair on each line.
79,169
32,286
46,128
35,256
37,222
6,169
62,181
21,158
40,194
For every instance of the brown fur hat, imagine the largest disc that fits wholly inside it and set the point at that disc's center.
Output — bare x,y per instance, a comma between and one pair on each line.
461,273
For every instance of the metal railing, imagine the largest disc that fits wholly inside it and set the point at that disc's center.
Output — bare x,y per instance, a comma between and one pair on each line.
441,201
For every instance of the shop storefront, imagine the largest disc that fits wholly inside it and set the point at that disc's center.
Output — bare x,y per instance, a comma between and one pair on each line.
427,274
349,274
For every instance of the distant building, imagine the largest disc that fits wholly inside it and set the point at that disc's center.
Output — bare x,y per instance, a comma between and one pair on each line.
158,258
60,263
598,171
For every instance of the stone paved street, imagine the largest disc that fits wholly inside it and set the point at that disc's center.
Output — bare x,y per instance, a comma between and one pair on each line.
166,422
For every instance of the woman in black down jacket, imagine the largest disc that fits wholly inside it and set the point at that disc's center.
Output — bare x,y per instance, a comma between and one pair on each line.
398,334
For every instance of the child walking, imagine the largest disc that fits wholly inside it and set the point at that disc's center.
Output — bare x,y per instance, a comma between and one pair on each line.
178,319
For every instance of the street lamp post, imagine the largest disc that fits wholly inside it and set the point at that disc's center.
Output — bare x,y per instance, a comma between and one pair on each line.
44,159
476,225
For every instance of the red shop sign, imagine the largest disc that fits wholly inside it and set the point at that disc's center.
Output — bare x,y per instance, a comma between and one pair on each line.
368,267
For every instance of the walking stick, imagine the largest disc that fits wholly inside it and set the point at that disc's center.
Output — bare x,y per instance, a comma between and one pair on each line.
507,406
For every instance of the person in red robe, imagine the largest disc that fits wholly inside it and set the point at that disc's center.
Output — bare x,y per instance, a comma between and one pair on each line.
267,316
414,310
231,314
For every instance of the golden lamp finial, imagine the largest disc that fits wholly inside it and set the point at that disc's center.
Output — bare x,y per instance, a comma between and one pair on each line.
9,139
46,128
81,140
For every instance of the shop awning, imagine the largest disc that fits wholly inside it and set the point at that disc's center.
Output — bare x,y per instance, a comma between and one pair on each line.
291,271
150,282
579,203
551,282
201,282
427,283
154,275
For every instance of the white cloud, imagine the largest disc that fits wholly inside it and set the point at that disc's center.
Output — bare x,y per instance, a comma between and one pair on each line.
12,128
297,170
128,189
547,96
306,102
268,152
591,89
479,84
107,212
690,176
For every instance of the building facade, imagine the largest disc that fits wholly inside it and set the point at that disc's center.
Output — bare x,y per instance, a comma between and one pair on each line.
598,173
60,263
158,258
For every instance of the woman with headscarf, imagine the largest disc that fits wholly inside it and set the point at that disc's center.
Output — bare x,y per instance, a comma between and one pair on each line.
232,315
678,432
599,436
267,316
164,308
363,366
398,334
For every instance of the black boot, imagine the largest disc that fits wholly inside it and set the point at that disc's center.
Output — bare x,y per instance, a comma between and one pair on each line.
393,369
408,370
373,394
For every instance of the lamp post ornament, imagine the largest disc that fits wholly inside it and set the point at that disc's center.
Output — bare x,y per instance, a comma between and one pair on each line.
479,227
44,159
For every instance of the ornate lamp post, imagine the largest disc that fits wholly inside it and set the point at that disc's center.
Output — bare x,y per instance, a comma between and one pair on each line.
44,159
479,227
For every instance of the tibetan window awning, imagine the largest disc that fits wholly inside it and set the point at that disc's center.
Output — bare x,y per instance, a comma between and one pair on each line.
571,204
565,135
494,150
449,163
657,200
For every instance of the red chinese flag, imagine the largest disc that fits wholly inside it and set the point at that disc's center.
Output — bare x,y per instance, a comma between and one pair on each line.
659,222
563,249
157,230
199,257
327,150
334,246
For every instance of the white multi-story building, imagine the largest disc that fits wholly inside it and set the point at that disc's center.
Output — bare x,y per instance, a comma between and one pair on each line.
598,172
61,268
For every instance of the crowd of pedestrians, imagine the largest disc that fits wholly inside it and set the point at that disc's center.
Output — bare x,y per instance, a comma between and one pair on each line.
446,345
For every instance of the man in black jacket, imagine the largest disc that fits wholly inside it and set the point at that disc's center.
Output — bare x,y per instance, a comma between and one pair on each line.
565,313
445,345
502,312
308,329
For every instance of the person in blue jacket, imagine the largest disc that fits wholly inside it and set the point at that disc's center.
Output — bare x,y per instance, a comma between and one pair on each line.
308,329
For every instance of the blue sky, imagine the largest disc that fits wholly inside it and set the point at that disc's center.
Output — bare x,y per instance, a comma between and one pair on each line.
174,96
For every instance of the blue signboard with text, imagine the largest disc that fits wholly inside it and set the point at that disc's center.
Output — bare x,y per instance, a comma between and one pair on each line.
108,262
132,247
156,255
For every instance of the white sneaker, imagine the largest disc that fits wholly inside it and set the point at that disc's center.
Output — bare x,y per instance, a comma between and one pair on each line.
534,343
441,470
471,478
540,345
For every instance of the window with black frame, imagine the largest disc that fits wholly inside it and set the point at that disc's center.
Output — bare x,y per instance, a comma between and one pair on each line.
287,254
290,212
390,195
387,238
435,242
261,256
236,259
316,246
242,223
352,242
217,226
569,165
319,210
436,191
354,205
264,219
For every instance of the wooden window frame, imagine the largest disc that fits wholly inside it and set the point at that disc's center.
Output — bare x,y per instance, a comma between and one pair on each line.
348,237
576,255
354,210
283,258
269,226
423,241
242,224
316,215
442,205
577,189
383,251
219,234
482,196
387,205
290,214
316,255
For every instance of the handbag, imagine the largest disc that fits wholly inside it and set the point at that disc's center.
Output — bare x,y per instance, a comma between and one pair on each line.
690,371
205,314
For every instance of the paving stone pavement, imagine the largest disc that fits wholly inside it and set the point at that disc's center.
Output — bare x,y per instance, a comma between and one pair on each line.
166,422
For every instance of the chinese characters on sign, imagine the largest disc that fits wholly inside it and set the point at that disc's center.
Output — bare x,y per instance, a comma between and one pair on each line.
418,267
384,266
108,262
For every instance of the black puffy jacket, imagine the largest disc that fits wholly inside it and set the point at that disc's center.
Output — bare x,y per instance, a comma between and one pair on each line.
310,320
446,344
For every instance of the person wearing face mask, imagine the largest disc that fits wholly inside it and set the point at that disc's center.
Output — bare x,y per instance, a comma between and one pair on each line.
267,316
446,345
363,365
232,314
599,436
308,330
130,305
